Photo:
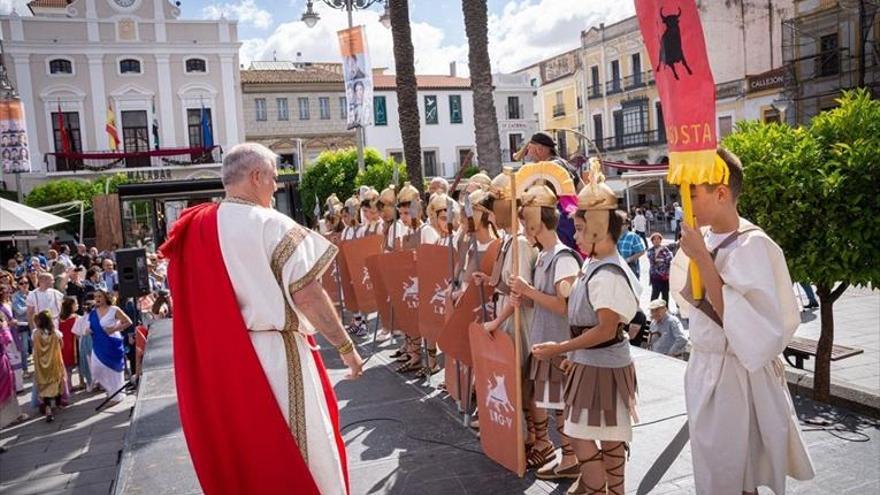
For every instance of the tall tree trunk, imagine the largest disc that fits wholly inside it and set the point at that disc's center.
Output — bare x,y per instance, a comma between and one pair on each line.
407,91
822,375
485,120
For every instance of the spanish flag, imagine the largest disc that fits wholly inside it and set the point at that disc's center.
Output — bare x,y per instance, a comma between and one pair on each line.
111,129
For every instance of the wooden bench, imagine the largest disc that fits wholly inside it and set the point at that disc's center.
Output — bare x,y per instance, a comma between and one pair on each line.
800,349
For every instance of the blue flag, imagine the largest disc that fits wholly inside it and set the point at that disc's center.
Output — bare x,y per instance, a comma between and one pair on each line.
207,133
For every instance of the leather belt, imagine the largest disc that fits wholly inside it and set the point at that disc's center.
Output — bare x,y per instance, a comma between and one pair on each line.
620,337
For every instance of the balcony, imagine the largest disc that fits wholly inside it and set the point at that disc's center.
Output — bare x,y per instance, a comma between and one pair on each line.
632,140
638,80
100,161
594,91
559,110
613,86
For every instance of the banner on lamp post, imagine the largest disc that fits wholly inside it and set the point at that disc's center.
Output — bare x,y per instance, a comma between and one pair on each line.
14,151
358,77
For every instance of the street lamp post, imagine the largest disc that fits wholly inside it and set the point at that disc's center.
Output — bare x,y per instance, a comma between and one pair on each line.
310,18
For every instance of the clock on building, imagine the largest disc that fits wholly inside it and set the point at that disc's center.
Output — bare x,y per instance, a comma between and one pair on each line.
125,4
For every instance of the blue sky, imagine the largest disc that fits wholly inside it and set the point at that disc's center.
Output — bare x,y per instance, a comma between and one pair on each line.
521,32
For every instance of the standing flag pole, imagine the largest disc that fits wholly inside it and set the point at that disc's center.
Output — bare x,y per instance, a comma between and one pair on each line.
674,40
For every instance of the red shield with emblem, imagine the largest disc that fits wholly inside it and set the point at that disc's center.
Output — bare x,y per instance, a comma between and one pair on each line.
356,275
432,269
499,398
402,285
454,339
383,301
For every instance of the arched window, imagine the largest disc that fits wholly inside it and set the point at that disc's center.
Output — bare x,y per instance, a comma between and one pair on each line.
60,66
196,65
129,66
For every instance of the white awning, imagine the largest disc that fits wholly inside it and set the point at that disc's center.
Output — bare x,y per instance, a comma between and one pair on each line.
16,217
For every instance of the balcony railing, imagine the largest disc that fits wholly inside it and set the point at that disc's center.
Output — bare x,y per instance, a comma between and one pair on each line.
613,86
638,80
99,161
559,110
632,140
594,91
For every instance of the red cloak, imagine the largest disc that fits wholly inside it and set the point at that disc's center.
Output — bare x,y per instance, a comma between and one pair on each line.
236,433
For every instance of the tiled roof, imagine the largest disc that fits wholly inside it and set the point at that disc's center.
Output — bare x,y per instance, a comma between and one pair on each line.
311,75
388,81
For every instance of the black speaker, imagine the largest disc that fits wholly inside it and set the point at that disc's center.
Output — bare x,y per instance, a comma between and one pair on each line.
134,277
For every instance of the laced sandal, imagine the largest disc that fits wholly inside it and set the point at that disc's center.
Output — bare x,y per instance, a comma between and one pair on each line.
572,472
535,457
617,471
580,487
409,366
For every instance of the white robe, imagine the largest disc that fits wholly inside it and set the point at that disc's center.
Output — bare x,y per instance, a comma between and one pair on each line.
743,426
247,254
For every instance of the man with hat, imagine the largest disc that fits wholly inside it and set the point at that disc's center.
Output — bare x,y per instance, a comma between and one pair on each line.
666,335
542,148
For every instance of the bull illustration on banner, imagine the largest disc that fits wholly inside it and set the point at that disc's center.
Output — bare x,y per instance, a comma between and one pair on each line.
438,300
671,51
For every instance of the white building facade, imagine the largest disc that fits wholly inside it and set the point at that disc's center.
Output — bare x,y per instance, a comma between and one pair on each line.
515,106
156,71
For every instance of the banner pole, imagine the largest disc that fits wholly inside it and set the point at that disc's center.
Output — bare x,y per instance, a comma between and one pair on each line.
517,343
691,221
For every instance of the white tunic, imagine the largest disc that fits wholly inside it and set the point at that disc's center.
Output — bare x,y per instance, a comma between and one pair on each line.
249,236
743,427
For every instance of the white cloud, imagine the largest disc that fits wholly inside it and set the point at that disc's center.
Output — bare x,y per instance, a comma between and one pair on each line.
320,43
525,32
529,31
246,11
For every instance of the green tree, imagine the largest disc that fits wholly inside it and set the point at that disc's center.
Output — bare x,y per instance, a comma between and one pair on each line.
60,191
380,175
813,190
334,172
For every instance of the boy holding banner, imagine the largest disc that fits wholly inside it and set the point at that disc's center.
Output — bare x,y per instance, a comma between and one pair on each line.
743,426
555,271
600,390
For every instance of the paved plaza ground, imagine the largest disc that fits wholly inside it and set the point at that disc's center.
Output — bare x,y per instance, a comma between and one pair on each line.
76,454
404,436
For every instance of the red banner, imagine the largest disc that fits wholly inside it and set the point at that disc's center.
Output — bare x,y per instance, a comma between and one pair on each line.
383,302
454,338
402,286
499,398
432,270
357,276
674,39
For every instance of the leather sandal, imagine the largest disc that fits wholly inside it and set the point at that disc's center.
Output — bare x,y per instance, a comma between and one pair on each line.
409,366
580,487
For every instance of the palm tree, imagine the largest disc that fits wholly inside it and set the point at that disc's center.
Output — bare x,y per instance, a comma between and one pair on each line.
485,120
407,90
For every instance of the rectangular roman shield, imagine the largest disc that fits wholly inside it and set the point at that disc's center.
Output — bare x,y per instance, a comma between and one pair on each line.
499,398
432,269
383,302
355,253
454,338
402,285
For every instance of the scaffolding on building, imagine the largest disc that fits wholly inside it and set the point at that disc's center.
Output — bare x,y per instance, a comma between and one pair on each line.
823,65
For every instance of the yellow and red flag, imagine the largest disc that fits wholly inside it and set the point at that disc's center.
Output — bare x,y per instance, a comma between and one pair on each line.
112,134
